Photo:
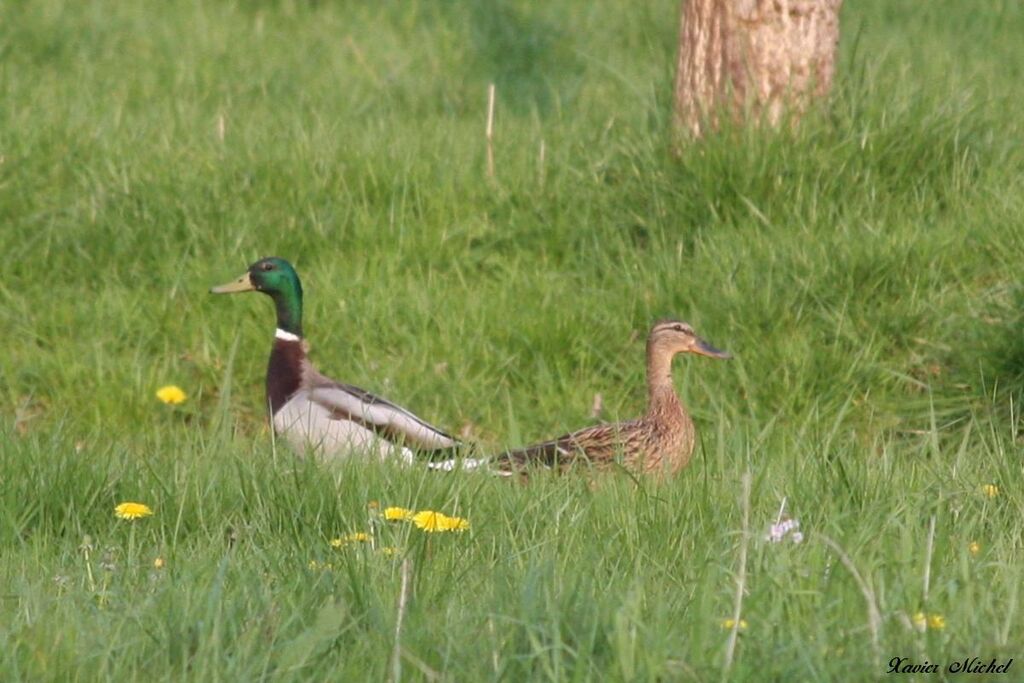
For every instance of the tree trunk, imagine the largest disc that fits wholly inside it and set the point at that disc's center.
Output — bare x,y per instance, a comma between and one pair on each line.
756,58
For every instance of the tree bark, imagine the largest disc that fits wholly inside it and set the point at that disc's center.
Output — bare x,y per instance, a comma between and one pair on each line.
753,58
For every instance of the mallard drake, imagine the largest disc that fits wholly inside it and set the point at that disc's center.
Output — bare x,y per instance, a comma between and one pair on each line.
659,442
314,412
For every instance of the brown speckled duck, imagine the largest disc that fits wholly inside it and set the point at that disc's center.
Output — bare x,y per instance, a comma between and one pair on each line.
315,412
660,442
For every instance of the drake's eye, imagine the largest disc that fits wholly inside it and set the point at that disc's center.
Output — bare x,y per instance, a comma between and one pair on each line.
268,266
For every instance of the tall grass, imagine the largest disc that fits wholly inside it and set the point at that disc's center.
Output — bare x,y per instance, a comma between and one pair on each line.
863,269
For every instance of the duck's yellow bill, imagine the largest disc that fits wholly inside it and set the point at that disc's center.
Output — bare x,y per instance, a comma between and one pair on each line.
242,284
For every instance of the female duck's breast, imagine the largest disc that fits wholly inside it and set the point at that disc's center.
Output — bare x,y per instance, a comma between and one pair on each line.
665,448
310,426
682,443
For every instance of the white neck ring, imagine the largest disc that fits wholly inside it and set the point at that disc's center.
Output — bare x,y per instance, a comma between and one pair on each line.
285,336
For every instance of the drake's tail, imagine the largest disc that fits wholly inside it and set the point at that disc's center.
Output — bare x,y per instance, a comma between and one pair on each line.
453,464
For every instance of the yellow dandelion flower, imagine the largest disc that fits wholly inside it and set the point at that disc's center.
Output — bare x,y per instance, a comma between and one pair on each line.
171,394
990,490
428,520
454,523
924,621
355,537
728,624
398,514
132,511
974,548
158,563
320,566
920,621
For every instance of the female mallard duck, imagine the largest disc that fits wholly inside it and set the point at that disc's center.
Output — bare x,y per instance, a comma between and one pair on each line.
313,411
660,442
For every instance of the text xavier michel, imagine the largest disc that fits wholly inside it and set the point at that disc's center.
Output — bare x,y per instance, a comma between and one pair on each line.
973,665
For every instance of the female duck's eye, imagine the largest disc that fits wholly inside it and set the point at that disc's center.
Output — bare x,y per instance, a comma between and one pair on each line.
679,328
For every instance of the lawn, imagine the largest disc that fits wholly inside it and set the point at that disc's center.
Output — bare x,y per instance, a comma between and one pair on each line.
863,269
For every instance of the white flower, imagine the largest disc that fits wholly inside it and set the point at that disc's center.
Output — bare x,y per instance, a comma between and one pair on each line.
783,526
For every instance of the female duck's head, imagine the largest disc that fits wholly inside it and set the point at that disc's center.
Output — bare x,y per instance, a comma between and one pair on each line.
669,337
276,278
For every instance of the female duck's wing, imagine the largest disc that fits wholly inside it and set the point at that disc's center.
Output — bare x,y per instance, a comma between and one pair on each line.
388,421
598,445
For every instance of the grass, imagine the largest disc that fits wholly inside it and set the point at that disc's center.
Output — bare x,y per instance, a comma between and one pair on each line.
863,269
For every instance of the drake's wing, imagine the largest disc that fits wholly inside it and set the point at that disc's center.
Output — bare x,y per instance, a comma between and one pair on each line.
398,425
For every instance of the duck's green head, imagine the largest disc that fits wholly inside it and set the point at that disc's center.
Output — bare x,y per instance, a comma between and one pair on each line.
276,278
